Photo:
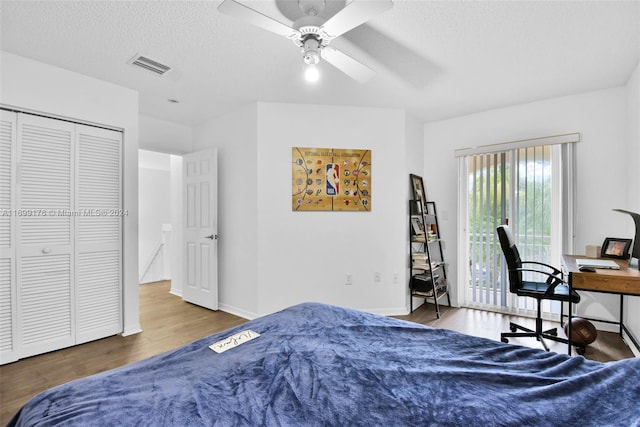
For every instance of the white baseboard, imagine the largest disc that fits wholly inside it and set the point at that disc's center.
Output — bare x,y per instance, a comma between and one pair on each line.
399,311
136,329
237,311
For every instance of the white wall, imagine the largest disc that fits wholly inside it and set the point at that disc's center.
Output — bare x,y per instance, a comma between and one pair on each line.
632,309
35,86
415,165
175,254
154,211
165,137
305,256
633,146
602,119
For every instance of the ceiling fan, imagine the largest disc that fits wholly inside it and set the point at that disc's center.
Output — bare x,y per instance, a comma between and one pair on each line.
312,33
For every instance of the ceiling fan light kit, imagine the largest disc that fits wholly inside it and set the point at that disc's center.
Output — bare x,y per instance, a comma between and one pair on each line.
311,73
312,35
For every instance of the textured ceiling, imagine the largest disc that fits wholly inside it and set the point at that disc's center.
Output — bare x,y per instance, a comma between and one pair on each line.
436,59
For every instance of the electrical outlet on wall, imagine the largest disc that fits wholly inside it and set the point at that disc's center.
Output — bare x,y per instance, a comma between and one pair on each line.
348,279
377,277
396,278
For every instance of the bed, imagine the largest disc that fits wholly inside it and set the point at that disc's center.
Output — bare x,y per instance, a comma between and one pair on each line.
320,365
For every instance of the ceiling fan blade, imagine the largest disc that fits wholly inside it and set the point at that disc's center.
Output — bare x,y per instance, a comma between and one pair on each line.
343,62
355,13
252,16
407,64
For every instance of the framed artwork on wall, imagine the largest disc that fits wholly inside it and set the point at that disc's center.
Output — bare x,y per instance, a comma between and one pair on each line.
330,179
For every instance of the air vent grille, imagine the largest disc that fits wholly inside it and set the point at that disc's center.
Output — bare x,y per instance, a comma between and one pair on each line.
149,65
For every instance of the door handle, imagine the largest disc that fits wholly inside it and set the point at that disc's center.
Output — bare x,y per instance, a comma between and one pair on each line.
212,237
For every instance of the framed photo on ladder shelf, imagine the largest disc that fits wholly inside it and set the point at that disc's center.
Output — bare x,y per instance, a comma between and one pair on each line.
418,190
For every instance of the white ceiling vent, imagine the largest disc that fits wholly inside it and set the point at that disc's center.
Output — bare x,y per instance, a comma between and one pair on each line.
149,64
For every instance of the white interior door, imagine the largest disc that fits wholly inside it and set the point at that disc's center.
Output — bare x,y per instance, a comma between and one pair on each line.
200,228
45,234
98,281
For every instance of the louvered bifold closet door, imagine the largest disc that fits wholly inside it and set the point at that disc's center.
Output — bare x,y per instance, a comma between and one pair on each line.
8,323
98,233
45,177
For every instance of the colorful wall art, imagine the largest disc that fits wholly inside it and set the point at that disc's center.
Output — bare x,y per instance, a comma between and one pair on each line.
330,179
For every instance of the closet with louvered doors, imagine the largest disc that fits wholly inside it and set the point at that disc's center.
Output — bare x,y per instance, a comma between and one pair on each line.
61,235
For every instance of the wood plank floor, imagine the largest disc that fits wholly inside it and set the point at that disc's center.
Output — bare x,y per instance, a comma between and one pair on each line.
169,322
607,347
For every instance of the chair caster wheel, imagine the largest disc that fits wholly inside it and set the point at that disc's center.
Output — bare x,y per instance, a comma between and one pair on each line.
580,350
504,340
513,328
554,333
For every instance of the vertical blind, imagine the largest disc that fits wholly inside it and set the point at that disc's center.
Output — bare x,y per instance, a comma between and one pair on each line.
525,186
487,208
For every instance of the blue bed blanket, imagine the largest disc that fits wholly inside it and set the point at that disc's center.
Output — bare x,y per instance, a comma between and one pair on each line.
320,365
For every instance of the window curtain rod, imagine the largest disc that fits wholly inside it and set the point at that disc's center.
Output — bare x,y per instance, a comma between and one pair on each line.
514,145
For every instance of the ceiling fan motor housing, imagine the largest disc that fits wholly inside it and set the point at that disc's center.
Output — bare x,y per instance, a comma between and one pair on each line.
311,46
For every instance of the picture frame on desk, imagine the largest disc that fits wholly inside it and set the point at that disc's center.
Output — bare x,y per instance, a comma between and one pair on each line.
614,247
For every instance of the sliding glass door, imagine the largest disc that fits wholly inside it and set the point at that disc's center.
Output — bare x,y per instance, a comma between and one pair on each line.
522,187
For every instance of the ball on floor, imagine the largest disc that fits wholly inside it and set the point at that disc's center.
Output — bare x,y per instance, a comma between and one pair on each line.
582,331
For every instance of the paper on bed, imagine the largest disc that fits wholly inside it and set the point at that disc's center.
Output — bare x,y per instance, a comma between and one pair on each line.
233,341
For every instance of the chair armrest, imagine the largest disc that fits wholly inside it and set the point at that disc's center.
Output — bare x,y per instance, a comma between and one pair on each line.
555,270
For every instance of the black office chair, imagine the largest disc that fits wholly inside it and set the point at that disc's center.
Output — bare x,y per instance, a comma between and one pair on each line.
554,288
